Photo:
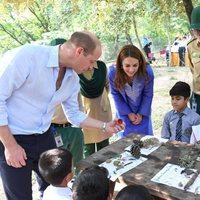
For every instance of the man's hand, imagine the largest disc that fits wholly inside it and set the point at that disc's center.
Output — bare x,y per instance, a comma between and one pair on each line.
114,127
15,156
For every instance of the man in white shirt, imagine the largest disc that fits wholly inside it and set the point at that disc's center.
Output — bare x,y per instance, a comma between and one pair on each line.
33,81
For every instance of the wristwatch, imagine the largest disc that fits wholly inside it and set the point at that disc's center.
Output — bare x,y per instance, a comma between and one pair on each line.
103,127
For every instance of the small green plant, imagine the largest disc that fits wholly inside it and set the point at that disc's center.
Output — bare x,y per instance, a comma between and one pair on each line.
187,162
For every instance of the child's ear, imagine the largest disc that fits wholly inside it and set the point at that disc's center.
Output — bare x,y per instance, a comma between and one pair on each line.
187,99
69,176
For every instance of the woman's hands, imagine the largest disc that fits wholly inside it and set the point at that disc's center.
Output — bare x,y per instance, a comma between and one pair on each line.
135,118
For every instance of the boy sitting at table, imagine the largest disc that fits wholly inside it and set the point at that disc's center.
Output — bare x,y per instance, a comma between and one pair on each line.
56,167
178,122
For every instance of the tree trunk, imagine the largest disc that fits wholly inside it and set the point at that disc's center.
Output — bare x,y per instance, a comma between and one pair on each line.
137,36
117,42
188,8
128,38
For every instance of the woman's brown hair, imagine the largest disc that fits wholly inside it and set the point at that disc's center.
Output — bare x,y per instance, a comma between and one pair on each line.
128,51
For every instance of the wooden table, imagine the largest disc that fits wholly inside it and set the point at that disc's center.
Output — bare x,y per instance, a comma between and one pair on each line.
143,173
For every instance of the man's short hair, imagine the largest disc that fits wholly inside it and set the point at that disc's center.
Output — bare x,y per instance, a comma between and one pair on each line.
55,165
180,89
92,184
84,40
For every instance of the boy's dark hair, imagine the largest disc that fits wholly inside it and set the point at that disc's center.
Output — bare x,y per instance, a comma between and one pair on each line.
180,89
134,192
92,184
55,165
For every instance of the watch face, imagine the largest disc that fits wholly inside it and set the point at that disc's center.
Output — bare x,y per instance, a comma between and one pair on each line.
103,127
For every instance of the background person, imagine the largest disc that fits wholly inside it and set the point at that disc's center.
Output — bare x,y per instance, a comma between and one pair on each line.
94,90
182,50
174,52
193,48
146,45
131,84
72,137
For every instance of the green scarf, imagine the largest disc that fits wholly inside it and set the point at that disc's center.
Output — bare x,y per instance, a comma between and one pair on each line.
94,88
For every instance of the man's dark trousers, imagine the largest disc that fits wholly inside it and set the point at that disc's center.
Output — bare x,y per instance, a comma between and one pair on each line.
17,182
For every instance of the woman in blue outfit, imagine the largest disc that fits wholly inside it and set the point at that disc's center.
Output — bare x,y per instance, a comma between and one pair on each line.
131,84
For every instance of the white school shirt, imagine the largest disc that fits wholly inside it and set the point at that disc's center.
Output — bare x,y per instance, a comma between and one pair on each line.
57,193
28,93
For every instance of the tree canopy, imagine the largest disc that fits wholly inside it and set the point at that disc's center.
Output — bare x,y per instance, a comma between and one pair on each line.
116,22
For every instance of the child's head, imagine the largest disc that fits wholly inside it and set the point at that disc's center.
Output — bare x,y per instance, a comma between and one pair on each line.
134,192
92,184
180,94
56,166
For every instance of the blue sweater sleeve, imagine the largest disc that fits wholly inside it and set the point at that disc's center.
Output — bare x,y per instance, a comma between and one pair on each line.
147,95
120,104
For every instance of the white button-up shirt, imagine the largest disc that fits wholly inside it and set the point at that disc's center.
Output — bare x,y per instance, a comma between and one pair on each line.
28,93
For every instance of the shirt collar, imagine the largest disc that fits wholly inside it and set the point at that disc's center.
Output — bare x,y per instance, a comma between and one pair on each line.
53,57
95,65
185,112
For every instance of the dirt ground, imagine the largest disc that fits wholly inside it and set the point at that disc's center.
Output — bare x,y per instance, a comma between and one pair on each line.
165,78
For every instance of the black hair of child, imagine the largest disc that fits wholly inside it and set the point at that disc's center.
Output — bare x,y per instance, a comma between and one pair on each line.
92,184
180,89
134,192
55,165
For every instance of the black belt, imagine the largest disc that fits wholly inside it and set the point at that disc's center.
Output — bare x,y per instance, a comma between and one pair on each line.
62,125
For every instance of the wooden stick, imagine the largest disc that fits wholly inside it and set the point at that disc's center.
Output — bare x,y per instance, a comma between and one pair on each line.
192,179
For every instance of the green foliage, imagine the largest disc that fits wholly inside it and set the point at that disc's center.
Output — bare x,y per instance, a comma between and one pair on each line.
116,22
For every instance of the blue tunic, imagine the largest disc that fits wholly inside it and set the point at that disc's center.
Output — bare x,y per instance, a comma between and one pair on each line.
134,99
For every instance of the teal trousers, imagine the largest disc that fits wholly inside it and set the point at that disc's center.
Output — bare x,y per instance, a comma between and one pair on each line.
93,147
73,141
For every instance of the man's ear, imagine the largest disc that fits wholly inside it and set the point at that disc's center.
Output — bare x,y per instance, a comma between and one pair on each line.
79,50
